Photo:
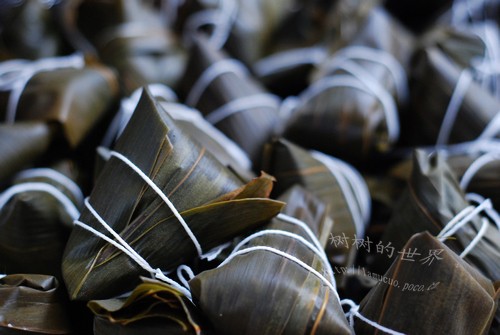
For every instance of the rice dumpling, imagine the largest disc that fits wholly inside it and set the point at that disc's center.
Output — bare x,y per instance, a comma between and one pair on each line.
167,197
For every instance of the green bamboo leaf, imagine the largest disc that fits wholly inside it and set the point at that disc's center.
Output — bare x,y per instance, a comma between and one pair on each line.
21,144
257,187
429,297
290,165
75,99
153,307
36,217
32,304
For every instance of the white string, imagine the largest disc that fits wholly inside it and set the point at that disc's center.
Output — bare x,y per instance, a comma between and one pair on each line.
315,246
476,146
180,274
492,129
67,204
260,100
55,176
158,90
222,18
476,239
386,100
287,59
288,106
376,56
477,165
47,4
462,10
15,74
491,212
287,256
170,9
353,188
123,246
487,69
196,21
375,87
104,153
462,218
10,70
225,20
354,312
209,255
294,236
227,65
304,226
163,197
451,112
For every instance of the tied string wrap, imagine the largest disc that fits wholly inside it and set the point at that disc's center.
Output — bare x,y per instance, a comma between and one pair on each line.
357,77
483,70
490,211
123,246
484,143
487,69
224,66
478,18
469,174
56,176
314,246
67,204
388,61
353,188
453,107
288,59
262,100
461,219
210,74
128,250
15,75
222,17
354,312
476,166
318,250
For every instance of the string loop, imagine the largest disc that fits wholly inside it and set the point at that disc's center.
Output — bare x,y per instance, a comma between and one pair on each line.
354,312
461,219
